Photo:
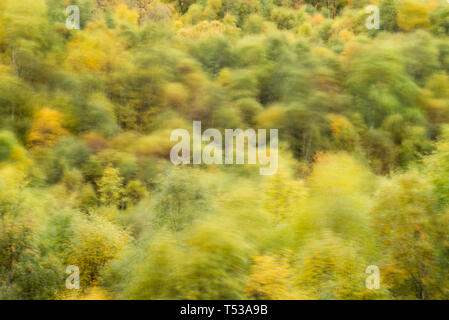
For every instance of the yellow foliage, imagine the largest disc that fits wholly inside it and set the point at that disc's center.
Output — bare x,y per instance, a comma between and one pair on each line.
331,268
11,182
282,194
20,158
155,144
97,241
176,95
435,98
344,134
178,25
203,29
407,227
224,77
123,13
271,117
110,187
352,49
438,84
46,129
270,279
94,293
339,173
95,49
305,30
158,11
432,4
346,34
413,14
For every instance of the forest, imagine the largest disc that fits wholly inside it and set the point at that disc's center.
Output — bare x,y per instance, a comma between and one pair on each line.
86,178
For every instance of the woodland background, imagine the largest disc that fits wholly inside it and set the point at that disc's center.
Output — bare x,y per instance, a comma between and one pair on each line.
85,175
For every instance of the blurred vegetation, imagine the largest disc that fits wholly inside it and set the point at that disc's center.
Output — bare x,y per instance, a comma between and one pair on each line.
85,175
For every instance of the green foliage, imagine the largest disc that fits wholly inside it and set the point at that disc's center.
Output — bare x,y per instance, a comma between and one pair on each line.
437,166
440,19
7,143
134,192
333,269
210,265
404,219
21,258
179,199
388,14
96,241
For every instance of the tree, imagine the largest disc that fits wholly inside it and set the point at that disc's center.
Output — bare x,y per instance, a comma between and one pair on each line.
46,129
307,132
333,6
378,82
16,112
7,144
338,200
210,264
439,19
21,258
437,167
271,279
330,268
283,194
413,14
134,192
179,199
96,241
407,227
110,187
